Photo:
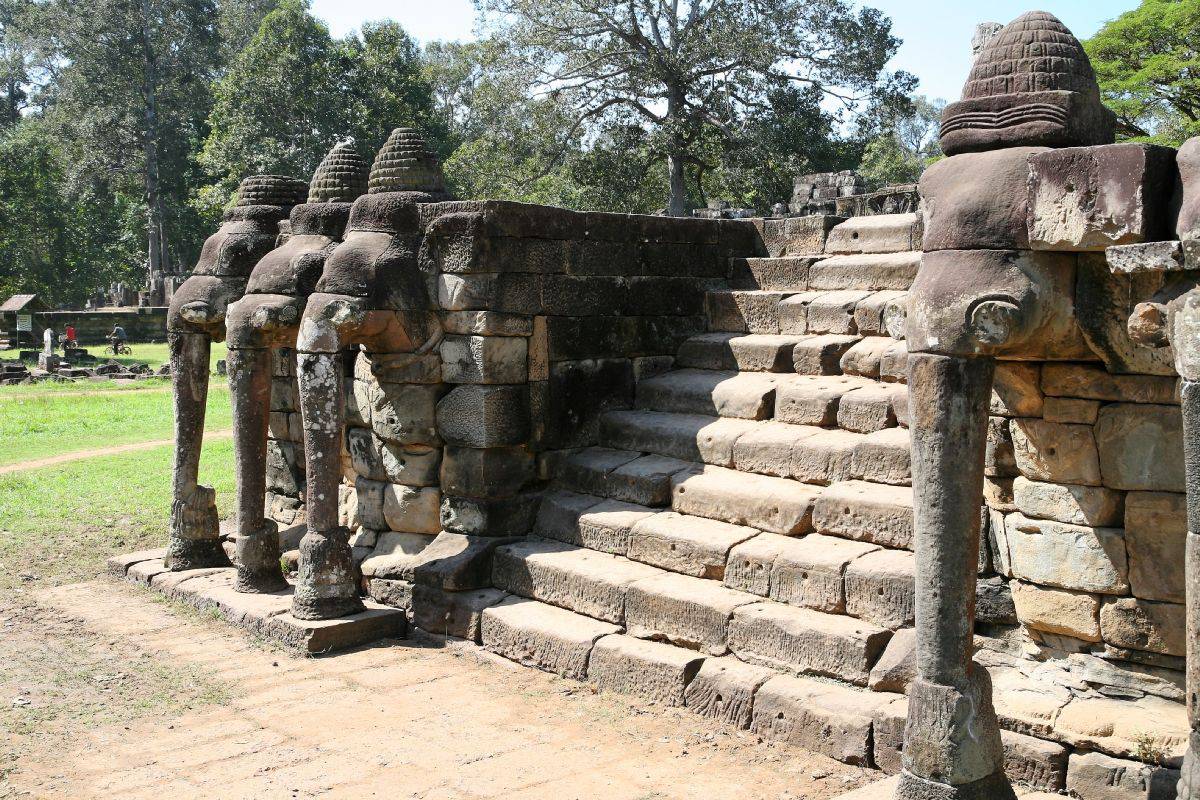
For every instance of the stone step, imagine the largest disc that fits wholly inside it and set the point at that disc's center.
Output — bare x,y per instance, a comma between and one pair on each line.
865,357
687,437
625,475
571,577
821,354
880,233
543,636
743,498
738,352
813,399
689,545
821,456
820,312
653,671
589,521
744,395
866,512
688,612
804,641
742,311
872,272
872,407
786,274
881,588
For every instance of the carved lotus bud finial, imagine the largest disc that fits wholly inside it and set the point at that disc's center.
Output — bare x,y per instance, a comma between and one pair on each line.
1031,85
405,164
341,176
271,190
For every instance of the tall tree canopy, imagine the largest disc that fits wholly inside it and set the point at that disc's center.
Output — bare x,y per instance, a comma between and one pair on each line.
1148,64
683,67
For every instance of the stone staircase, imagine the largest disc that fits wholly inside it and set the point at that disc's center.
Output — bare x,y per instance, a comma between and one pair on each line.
738,542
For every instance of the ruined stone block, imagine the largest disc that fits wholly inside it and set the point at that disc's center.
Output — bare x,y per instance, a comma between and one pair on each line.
484,416
1058,611
1144,625
1155,535
689,612
414,509
724,689
1096,776
789,274
656,672
1077,505
743,311
608,526
880,588
539,635
1048,451
819,717
1067,556
1139,447
866,512
484,359
821,355
404,413
456,614
509,516
1034,762
1016,390
1094,383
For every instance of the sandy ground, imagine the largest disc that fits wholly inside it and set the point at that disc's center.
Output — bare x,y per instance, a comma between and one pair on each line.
422,718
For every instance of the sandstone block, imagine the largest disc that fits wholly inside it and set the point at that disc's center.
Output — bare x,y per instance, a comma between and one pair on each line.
1122,729
833,311
367,508
1016,390
558,516
865,357
724,689
883,457
772,274
743,311
686,544
871,408
1090,198
1067,556
587,470
887,733
1034,762
654,671
497,472
994,602
866,512
1139,447
1059,611
881,233
688,437
792,312
487,323
1048,451
757,501
452,613
416,510
880,588
770,448
510,516
821,355
1070,410
897,667
749,395
404,413
484,416
812,399
1155,534
689,612
868,272
1095,776
804,641
1000,460
732,351
1143,625
869,314
1025,706
608,526
819,717
958,216
1147,257
647,480
811,572
542,636
1078,505
751,562
484,359
1095,383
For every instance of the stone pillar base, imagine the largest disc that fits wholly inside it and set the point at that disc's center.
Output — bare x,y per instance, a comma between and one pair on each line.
196,533
186,554
993,787
258,567
326,583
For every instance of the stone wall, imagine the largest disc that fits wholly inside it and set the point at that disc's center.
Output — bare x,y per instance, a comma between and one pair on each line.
92,327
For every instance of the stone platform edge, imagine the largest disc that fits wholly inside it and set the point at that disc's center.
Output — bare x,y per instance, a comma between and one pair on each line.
265,615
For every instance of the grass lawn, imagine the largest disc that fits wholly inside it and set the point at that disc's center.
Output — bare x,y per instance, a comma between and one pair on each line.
37,424
58,524
153,354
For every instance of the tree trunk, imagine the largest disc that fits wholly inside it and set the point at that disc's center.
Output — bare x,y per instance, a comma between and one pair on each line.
677,201
157,240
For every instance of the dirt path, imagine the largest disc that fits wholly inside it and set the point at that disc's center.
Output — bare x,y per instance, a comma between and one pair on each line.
63,458
96,393
414,719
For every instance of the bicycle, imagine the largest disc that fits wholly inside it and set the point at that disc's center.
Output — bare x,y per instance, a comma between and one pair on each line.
118,349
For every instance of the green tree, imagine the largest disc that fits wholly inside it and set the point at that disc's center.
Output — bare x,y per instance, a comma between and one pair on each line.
685,67
1148,64
908,144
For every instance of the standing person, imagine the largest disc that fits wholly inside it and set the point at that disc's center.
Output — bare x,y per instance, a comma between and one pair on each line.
69,339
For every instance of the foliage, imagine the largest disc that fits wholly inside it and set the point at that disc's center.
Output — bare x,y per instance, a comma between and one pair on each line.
684,69
1148,64
909,144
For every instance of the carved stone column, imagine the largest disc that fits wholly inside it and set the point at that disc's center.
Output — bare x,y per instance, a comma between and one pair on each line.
981,294
371,293
268,318
196,319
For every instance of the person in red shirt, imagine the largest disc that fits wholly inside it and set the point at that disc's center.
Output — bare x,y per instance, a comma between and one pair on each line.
70,337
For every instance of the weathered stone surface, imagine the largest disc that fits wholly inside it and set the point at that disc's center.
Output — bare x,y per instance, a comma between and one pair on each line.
588,470
686,544
865,512
394,555
789,274
804,641
486,323
812,399
1000,461
732,351
821,355
539,635
647,480
866,357
724,689
741,311
562,575
1078,505
1070,410
494,473
880,588
416,510
751,562
833,311
887,734
1122,729
1095,776
866,272
870,315
871,408
558,515
608,526
811,572
654,671
453,613
403,413
1060,611
1034,762
820,717
792,312
688,437
484,359
1067,556
484,416
1090,198
880,233
1144,625
1094,383
960,217
690,612
883,457
716,393
1016,390
774,448
1147,257
1048,451
1155,535
758,501
993,602
896,668
1139,447
1027,706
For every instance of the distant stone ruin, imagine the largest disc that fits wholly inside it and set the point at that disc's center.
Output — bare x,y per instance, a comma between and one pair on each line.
907,486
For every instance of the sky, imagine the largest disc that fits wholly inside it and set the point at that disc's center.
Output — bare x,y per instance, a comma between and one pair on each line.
937,33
